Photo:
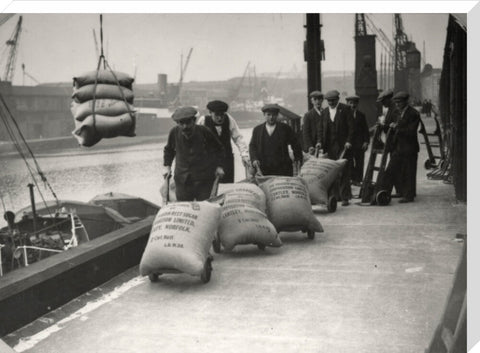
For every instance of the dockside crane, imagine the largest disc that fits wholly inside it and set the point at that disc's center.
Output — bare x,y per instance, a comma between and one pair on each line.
183,70
28,75
12,56
236,91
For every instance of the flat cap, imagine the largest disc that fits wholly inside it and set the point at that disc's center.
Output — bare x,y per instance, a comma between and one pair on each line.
334,94
401,95
184,113
316,94
385,94
352,98
217,106
271,108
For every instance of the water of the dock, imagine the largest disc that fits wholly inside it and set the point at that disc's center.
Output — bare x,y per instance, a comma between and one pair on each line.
375,281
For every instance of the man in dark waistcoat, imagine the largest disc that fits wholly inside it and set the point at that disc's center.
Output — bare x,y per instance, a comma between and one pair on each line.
335,133
269,145
402,168
198,154
310,122
360,139
226,129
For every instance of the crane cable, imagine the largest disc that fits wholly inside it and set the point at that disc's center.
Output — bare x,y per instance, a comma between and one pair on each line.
105,66
5,109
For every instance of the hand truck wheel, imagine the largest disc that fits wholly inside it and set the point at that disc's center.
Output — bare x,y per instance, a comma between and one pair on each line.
382,198
261,247
207,271
428,164
216,245
332,204
310,234
153,277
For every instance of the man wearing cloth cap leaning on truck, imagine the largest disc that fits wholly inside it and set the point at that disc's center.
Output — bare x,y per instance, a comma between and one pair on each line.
226,129
199,156
269,145
310,122
334,134
402,167
360,139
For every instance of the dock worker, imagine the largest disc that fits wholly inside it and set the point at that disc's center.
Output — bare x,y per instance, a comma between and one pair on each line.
402,168
310,122
198,154
360,139
334,135
269,145
391,115
224,126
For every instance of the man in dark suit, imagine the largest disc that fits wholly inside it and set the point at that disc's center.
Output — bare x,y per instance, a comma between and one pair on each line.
402,168
310,122
360,140
199,156
334,135
269,145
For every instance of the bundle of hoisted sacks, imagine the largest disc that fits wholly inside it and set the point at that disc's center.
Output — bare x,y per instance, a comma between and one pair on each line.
251,212
103,109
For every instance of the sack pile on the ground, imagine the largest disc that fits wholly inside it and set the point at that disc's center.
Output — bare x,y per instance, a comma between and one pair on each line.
180,239
114,111
320,174
288,204
243,219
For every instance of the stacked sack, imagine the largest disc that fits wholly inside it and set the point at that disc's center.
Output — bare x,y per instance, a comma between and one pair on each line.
181,237
114,111
243,219
288,204
319,175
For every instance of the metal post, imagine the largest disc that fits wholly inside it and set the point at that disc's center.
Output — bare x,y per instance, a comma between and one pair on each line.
34,212
313,54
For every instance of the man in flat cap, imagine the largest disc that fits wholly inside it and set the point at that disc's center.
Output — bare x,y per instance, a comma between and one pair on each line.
310,122
360,139
226,129
198,154
269,145
334,135
402,168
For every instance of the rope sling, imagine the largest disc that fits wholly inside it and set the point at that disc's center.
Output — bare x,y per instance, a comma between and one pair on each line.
106,66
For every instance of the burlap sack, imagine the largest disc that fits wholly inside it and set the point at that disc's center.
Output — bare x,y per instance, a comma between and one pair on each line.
103,127
108,107
242,224
104,76
172,193
247,194
288,204
319,174
180,239
103,91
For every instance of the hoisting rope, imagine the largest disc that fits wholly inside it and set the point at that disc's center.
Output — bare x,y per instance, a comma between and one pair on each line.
5,113
105,66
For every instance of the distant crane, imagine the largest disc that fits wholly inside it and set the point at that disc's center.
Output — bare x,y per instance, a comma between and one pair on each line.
28,75
12,57
236,91
183,69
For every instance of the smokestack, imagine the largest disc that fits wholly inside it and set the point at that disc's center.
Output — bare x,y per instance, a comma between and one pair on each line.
162,84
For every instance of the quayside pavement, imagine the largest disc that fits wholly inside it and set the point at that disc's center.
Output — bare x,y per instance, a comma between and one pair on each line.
376,280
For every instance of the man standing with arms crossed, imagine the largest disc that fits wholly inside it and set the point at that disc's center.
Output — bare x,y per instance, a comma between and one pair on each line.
198,154
360,140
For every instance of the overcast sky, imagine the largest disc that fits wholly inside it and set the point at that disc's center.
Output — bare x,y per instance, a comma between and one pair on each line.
56,47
